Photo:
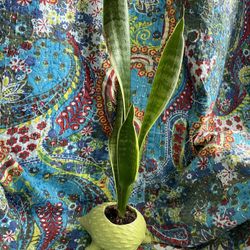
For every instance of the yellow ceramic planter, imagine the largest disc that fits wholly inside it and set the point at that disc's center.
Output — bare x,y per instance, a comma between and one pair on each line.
109,236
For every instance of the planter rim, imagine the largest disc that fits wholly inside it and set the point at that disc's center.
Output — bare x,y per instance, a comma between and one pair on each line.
106,204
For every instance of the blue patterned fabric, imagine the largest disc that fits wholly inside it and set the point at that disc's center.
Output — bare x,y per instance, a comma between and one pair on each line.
57,104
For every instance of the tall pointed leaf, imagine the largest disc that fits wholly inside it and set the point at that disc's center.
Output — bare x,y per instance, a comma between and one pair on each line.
128,158
128,149
116,32
113,140
165,81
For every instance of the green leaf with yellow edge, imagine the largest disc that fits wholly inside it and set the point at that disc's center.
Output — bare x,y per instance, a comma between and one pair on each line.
117,37
113,140
165,81
128,158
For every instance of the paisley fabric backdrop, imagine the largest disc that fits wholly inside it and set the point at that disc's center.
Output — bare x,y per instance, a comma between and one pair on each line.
57,103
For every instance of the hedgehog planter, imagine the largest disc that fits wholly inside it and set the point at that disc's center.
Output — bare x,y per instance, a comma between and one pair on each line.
107,235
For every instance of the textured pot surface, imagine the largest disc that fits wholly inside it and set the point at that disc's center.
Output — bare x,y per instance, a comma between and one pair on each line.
109,236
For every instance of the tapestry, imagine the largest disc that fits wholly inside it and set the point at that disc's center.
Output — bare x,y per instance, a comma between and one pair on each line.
57,105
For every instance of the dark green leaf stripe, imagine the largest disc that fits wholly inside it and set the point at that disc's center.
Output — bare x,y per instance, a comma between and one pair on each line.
116,31
165,81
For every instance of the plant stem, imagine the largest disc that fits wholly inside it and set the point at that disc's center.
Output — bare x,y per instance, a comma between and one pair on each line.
123,200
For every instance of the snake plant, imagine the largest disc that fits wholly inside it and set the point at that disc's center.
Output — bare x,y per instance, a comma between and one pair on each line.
125,145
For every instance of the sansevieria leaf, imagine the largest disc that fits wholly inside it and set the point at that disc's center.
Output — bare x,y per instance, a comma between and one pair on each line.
128,150
128,158
114,139
116,32
165,80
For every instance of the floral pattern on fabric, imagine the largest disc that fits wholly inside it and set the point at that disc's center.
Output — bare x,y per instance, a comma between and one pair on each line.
57,104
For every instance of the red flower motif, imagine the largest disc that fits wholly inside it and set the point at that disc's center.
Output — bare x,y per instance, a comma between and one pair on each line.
24,154
91,58
16,149
26,45
237,118
11,141
85,151
87,131
41,125
239,127
177,148
202,163
23,130
31,147
180,127
24,139
228,122
35,136
11,51
178,138
198,71
12,131
219,122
